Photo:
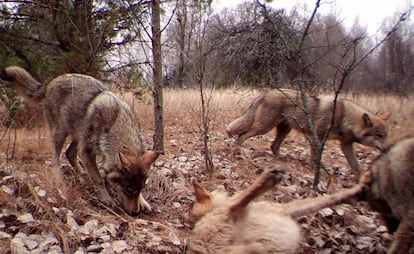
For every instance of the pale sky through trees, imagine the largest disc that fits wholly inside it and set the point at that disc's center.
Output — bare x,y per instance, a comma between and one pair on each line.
370,13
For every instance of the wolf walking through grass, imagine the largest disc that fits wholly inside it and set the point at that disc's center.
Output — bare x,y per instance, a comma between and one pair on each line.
284,109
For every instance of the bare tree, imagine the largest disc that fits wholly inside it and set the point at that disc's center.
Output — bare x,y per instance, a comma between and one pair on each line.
203,13
157,77
395,61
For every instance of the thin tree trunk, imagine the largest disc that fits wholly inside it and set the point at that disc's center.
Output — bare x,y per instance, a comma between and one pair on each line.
158,137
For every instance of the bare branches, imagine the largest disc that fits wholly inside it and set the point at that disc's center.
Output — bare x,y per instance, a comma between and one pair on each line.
308,25
397,25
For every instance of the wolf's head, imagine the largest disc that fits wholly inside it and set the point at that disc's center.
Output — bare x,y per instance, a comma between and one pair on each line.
129,179
205,202
373,131
23,83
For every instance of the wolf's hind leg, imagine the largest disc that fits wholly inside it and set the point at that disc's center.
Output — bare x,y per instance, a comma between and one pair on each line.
251,133
58,140
283,130
302,207
72,154
265,182
261,125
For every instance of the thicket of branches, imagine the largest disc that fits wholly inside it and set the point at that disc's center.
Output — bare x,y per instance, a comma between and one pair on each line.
256,45
54,37
251,44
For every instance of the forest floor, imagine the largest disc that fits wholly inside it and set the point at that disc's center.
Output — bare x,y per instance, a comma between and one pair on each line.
45,211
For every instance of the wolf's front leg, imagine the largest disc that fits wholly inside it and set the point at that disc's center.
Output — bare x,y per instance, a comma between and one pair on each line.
143,204
348,150
95,178
403,237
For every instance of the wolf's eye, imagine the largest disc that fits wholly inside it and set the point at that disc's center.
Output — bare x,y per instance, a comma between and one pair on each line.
379,135
129,191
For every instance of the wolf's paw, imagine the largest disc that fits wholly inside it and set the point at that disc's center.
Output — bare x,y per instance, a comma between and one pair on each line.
366,178
275,174
228,131
105,198
269,178
143,204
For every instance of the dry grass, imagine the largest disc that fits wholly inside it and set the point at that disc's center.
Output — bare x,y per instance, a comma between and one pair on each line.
26,160
226,104
222,104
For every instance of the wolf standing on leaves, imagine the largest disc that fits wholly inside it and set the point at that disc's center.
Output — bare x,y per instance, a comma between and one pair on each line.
284,109
99,123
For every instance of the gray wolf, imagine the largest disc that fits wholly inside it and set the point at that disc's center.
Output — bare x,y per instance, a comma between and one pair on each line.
392,193
283,109
238,225
99,123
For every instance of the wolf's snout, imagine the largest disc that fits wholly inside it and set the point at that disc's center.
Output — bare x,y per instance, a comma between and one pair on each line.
133,214
130,205
382,146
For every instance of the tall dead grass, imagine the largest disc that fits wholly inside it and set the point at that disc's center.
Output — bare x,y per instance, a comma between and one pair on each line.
185,105
225,105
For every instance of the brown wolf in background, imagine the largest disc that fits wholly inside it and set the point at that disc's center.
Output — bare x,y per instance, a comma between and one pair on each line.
392,193
100,124
283,109
237,225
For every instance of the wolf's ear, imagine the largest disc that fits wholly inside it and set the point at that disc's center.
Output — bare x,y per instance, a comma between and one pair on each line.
201,194
385,116
149,157
367,120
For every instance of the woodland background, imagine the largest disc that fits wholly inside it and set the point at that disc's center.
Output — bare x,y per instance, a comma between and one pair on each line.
251,45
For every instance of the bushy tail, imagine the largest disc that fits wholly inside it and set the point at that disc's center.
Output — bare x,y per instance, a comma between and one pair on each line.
243,123
23,83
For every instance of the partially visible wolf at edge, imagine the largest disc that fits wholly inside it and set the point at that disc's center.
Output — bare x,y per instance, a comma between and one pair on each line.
284,109
99,123
391,193
238,224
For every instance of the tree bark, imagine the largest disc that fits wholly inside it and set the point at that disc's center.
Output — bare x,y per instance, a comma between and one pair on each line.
158,137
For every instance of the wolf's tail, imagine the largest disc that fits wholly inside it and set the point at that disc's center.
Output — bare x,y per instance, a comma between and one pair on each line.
23,83
243,123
